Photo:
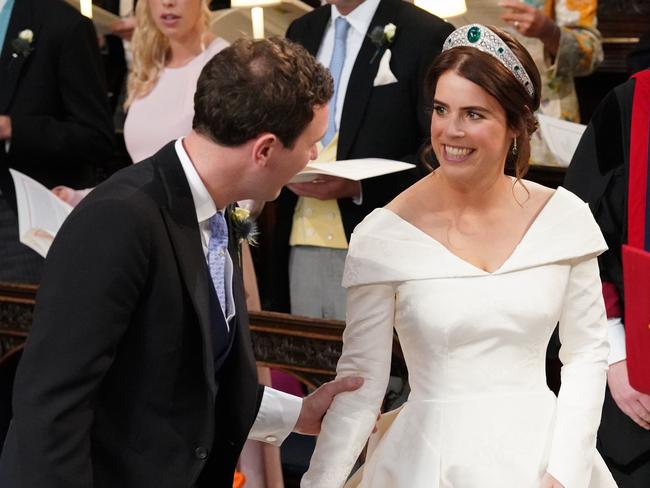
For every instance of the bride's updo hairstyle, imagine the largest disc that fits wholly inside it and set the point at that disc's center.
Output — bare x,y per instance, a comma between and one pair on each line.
498,73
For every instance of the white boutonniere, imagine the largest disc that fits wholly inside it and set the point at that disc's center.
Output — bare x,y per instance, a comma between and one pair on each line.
22,45
382,37
243,226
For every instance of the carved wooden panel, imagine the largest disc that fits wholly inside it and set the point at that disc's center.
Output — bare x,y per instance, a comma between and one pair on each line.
306,348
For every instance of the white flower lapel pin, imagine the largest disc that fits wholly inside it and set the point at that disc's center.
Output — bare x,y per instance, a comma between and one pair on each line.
22,45
382,37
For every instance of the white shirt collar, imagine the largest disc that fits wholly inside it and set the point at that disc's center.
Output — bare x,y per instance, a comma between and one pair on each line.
205,207
360,17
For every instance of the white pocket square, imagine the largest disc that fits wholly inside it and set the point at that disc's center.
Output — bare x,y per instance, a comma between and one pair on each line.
384,75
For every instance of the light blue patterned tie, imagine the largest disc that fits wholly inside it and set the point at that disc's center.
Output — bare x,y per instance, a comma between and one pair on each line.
5,15
341,27
217,249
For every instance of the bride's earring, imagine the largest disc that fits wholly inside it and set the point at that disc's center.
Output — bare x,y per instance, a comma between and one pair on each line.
514,147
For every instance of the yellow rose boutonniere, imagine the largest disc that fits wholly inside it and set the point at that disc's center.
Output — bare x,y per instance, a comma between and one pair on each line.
243,226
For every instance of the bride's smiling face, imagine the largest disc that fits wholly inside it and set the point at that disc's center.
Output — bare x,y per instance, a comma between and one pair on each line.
469,132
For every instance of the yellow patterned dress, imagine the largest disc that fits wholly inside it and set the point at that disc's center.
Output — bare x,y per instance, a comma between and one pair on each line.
579,54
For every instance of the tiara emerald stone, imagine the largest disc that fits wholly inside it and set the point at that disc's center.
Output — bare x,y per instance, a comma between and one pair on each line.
474,34
485,40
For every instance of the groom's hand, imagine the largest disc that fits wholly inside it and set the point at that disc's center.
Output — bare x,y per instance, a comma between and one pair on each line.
316,404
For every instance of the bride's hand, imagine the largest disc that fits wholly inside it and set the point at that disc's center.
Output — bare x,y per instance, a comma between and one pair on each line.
549,482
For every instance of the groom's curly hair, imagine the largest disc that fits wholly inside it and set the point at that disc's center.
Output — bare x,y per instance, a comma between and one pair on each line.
258,86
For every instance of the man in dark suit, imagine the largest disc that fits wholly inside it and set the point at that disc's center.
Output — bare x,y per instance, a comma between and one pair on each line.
372,115
139,369
55,124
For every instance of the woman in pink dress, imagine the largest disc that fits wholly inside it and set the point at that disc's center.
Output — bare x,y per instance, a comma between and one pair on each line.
171,44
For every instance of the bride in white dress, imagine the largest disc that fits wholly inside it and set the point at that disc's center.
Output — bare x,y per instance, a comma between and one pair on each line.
473,269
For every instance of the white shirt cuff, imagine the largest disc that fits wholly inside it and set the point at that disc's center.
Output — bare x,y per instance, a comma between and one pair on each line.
616,336
359,200
276,418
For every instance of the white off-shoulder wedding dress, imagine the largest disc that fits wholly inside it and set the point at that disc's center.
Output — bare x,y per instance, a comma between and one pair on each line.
479,414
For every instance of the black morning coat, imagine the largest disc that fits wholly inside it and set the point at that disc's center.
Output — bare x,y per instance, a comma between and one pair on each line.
118,385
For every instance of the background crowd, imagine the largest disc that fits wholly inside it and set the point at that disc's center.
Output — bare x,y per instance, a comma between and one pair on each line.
63,88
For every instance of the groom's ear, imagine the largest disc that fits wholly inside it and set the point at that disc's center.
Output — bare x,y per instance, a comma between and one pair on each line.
264,147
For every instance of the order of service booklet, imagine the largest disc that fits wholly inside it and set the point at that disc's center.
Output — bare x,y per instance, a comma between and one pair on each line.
40,213
351,169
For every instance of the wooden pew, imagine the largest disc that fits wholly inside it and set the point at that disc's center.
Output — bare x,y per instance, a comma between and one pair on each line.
303,347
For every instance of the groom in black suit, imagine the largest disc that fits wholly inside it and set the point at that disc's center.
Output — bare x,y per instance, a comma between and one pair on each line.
374,117
55,124
139,370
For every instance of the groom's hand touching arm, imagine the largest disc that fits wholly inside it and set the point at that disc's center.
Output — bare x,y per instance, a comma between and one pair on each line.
280,413
315,405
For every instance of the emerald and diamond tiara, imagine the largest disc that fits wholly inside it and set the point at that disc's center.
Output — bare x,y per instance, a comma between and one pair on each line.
480,37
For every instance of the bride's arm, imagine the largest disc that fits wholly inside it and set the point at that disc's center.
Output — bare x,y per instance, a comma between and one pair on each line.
367,345
583,333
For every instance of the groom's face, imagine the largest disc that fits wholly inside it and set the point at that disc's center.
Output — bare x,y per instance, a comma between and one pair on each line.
290,161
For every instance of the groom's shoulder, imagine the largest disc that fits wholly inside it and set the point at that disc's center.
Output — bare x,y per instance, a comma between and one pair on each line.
136,193
144,181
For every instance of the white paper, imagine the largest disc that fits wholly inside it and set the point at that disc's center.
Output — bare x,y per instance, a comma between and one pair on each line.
351,169
40,213
561,137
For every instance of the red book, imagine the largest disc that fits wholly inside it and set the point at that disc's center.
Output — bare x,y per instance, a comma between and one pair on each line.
636,273
636,258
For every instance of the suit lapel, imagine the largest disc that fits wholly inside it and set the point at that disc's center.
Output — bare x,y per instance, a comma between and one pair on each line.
361,79
22,17
238,292
180,217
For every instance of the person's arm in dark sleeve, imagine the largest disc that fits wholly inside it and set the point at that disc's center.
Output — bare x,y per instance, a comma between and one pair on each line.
85,134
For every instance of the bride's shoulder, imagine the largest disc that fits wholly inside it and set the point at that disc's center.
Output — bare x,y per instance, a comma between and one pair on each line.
410,200
534,192
538,196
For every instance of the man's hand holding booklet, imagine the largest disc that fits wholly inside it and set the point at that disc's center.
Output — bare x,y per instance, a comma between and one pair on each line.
351,169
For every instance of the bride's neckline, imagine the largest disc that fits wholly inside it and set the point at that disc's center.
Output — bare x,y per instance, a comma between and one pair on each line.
533,224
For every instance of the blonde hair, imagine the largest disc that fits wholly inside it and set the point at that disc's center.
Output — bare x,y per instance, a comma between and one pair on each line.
150,49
